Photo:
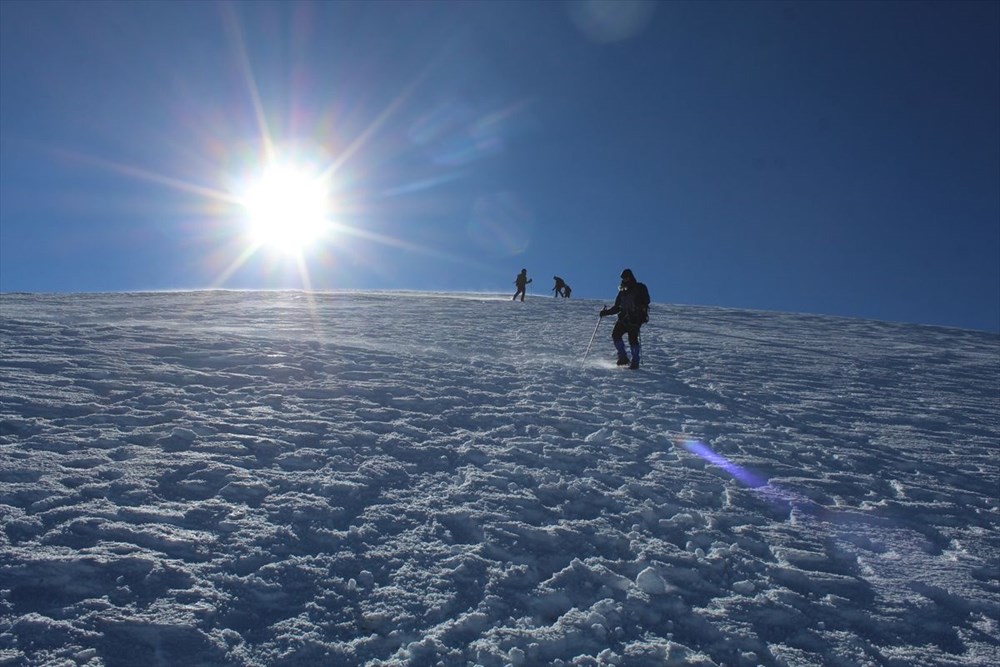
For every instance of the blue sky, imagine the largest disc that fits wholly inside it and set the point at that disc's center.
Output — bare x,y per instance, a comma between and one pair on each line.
837,158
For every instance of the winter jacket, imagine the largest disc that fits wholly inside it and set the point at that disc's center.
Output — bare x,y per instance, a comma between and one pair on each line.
631,305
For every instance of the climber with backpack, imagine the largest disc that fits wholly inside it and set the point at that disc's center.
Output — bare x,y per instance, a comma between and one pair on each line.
632,308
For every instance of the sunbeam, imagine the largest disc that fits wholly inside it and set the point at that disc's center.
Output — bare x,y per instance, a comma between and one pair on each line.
243,61
281,203
141,174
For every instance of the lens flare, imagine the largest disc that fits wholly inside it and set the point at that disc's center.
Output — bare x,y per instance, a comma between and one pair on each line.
766,489
739,473
501,224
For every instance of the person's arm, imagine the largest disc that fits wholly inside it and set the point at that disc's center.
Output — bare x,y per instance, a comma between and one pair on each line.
615,309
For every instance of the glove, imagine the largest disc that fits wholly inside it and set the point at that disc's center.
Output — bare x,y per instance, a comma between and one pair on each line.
604,312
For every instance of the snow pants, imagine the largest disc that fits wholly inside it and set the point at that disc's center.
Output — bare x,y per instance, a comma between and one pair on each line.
621,328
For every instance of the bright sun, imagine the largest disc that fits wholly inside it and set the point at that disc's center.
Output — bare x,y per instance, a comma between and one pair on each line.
287,208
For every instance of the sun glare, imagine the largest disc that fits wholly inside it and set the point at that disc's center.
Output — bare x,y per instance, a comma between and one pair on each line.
287,208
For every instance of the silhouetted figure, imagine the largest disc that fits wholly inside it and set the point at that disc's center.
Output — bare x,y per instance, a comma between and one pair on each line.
632,308
561,288
521,282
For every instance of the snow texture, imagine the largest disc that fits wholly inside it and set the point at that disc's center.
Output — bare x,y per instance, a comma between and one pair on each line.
283,478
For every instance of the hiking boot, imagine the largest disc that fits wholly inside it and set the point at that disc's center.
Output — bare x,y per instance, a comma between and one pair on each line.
634,365
622,355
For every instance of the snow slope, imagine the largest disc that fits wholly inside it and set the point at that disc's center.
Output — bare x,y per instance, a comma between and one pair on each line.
281,478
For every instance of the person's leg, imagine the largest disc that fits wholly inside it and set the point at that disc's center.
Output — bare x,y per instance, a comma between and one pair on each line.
634,344
616,336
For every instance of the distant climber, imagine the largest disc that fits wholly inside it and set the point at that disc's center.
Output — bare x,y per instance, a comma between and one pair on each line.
561,288
521,281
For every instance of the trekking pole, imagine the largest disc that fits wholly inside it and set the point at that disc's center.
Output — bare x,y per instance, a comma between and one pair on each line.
592,336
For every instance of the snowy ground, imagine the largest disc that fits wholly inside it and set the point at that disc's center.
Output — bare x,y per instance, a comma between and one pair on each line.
234,478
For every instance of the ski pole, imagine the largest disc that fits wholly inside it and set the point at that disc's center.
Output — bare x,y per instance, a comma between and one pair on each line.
592,336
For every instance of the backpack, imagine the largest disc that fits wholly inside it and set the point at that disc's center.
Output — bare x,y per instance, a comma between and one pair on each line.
642,298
